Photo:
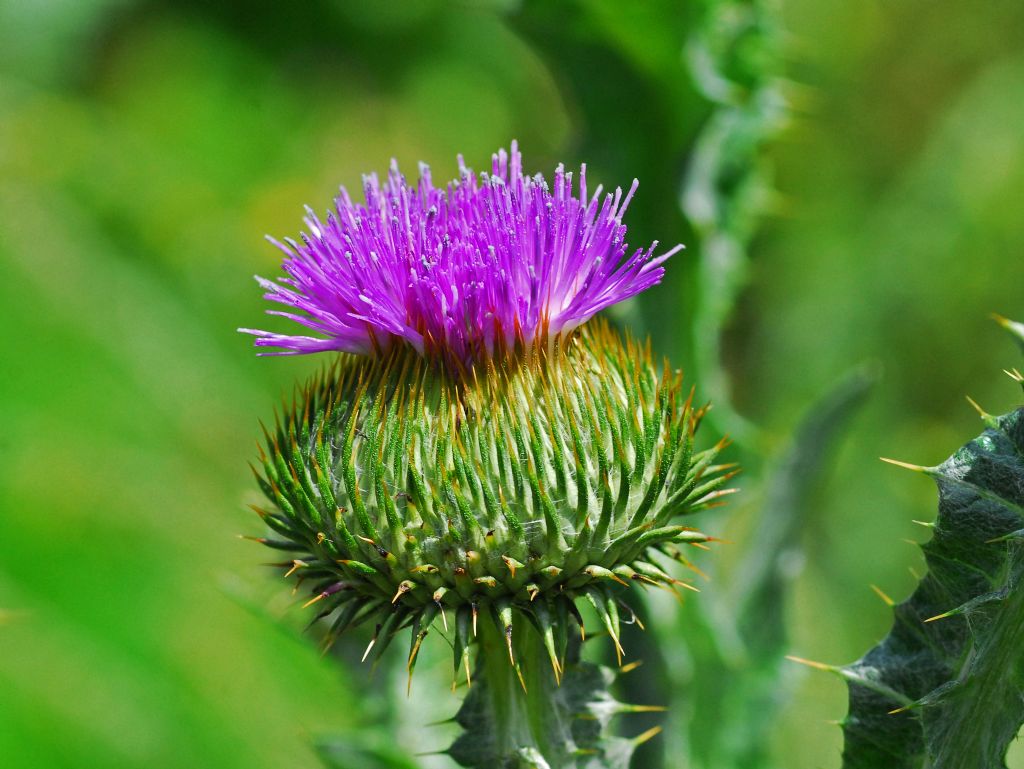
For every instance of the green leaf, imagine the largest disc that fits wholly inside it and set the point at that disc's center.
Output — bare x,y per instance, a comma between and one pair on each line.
954,652
762,585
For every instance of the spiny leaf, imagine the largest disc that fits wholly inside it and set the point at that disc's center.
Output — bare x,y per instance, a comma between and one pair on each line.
954,650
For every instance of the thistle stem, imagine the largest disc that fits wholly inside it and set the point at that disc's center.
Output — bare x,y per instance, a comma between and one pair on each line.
530,722
515,716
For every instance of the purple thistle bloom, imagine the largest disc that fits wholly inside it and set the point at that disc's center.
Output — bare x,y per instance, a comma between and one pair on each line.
463,272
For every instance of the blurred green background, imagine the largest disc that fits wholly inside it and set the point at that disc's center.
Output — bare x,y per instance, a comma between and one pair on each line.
145,149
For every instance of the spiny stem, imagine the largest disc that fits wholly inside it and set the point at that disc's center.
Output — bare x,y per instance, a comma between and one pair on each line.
521,700
521,717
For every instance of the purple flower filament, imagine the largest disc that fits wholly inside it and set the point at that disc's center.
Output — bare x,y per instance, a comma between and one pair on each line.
465,272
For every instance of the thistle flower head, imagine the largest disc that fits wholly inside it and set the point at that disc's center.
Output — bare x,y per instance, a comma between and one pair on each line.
408,494
481,266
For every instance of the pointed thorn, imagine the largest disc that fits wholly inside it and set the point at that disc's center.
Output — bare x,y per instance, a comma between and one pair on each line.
974,404
905,465
642,708
640,739
629,667
812,664
556,668
369,646
314,599
618,649
720,493
886,599
988,419
415,651
522,681
599,572
1002,321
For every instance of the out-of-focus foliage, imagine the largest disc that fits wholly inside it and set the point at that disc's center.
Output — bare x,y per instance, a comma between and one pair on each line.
145,147
737,678
734,56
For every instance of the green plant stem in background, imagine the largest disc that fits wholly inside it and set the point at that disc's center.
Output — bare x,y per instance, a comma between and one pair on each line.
734,61
508,715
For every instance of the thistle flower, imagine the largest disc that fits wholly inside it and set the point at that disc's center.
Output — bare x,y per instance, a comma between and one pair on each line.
484,264
475,460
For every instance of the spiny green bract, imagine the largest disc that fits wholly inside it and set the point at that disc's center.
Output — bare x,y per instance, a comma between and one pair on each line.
404,494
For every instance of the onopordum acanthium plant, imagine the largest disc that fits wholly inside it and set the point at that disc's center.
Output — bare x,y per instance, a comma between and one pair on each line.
482,459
